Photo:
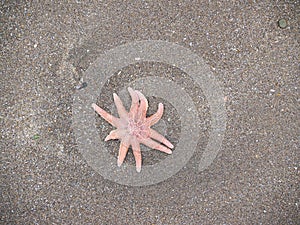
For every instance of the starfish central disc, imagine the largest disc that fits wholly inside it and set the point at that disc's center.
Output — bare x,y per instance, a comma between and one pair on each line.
138,129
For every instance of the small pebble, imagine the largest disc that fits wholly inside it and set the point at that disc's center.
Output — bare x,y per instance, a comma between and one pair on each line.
282,23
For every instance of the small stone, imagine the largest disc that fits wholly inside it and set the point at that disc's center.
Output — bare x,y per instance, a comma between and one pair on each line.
282,23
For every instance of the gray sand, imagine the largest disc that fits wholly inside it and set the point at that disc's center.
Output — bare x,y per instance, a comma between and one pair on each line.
46,49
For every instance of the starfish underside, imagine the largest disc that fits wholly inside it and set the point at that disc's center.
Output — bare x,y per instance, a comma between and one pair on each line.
133,127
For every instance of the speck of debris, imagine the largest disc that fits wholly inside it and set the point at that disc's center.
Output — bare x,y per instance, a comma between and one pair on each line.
81,85
35,137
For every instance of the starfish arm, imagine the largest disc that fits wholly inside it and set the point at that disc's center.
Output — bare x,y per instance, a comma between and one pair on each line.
137,154
114,134
143,105
157,136
134,101
155,145
120,107
156,116
123,151
105,115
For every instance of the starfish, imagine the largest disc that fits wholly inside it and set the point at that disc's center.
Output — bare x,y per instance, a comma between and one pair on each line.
133,127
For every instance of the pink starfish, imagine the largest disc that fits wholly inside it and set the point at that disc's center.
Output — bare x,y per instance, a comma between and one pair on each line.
133,127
